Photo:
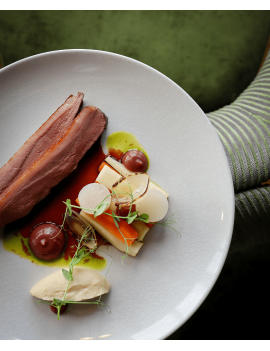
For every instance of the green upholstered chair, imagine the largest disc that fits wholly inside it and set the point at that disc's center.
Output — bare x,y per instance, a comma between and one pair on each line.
244,130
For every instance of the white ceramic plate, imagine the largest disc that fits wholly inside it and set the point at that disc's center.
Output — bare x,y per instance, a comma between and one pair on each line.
155,293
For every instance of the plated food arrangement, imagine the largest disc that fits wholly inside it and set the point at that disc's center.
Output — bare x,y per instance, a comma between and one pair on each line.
70,200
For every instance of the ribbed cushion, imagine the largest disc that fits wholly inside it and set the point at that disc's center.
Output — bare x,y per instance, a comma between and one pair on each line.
252,218
244,130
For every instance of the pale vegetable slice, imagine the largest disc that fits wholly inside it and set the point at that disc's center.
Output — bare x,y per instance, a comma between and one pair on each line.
135,184
120,168
108,177
113,207
133,249
92,195
105,177
154,186
155,204
86,284
141,228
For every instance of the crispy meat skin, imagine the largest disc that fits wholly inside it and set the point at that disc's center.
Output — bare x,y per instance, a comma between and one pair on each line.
43,139
57,163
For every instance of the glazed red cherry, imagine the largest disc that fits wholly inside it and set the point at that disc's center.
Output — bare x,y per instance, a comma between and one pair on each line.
135,161
47,241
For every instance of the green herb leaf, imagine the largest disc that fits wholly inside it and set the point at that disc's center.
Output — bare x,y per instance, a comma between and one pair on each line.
57,302
68,204
99,209
130,218
80,253
133,213
78,257
70,273
77,260
144,216
66,274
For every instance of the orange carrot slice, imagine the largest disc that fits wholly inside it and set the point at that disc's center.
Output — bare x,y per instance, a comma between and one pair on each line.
107,222
128,232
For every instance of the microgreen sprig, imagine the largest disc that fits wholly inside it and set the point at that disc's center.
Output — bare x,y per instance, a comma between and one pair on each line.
131,216
81,252
100,209
169,223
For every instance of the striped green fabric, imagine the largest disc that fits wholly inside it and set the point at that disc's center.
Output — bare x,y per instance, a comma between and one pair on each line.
244,130
252,218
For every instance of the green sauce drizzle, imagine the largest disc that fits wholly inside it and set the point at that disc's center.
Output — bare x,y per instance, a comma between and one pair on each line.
125,141
15,243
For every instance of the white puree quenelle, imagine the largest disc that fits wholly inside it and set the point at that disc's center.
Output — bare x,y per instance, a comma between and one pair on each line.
86,284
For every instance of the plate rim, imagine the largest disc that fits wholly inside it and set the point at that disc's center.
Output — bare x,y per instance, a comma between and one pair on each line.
228,172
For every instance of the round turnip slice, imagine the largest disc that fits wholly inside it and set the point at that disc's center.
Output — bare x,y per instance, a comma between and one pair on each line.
92,195
155,204
134,184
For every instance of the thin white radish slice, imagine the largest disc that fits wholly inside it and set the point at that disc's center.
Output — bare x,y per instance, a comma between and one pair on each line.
135,184
155,204
92,195
120,168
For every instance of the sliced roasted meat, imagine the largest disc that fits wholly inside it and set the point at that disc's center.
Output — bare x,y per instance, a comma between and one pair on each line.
39,143
56,164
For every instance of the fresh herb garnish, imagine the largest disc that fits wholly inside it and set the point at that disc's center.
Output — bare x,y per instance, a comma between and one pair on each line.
168,223
80,253
116,219
99,209
130,218
143,218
